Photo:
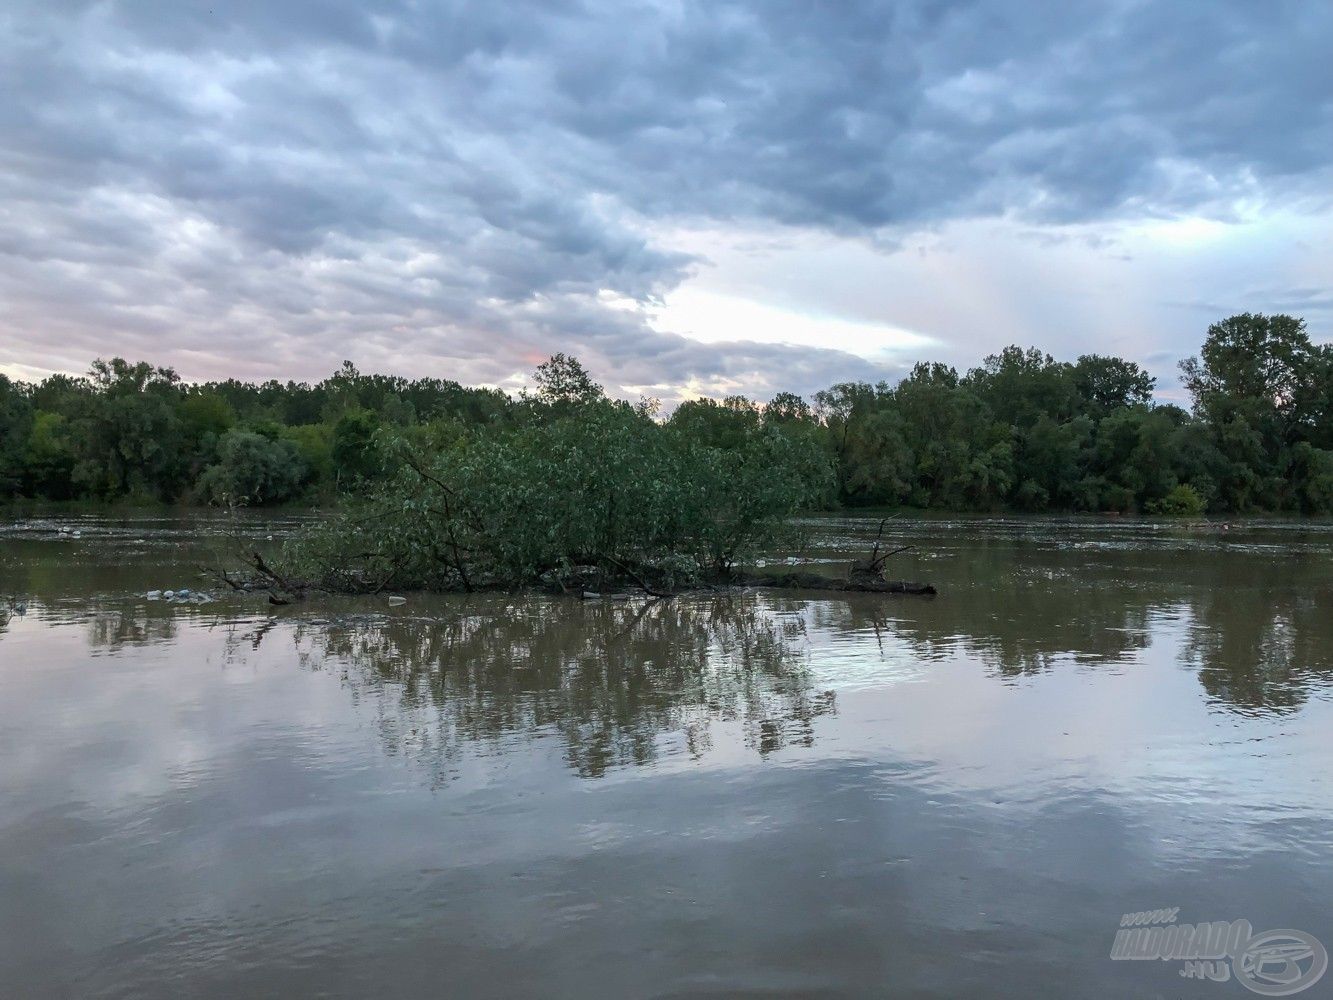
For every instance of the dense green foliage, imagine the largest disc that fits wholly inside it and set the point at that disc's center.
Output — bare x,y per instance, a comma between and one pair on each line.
253,469
132,431
571,488
1023,431
1027,432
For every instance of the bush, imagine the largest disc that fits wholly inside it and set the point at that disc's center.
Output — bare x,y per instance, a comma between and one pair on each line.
253,469
1183,501
584,487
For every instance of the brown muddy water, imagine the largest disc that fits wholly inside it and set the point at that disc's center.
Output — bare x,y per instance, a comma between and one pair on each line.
747,795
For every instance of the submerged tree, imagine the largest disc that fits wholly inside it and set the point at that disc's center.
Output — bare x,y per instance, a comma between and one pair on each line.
585,489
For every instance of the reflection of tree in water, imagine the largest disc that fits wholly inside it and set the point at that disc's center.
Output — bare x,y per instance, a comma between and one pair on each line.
616,683
129,627
1022,622
1254,607
1264,651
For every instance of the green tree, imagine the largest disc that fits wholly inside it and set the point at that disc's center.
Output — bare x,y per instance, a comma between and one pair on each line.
596,487
786,408
1311,477
1252,360
878,464
15,426
1313,402
49,458
1050,464
315,443
727,424
843,409
356,455
1106,385
1020,387
253,469
127,435
204,413
1135,458
963,457
563,379
1182,501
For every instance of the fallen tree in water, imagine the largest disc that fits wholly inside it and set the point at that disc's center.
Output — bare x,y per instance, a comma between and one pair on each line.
815,581
866,576
283,590
578,494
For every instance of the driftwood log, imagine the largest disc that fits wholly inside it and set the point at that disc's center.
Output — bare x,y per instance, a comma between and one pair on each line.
853,584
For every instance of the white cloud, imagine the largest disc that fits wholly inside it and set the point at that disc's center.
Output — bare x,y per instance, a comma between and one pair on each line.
712,318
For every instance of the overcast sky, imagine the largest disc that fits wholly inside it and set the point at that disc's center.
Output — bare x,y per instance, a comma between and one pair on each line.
692,197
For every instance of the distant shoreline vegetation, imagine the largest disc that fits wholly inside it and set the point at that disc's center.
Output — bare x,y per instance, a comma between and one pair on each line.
1022,432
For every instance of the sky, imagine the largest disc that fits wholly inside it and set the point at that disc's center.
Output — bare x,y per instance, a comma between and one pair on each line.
693,198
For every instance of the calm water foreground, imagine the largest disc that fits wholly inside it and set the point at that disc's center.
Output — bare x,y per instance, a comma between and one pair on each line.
750,795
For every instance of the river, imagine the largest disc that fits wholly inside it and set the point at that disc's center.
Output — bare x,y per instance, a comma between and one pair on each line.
754,794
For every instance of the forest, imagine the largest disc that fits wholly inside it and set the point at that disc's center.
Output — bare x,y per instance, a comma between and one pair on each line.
1021,432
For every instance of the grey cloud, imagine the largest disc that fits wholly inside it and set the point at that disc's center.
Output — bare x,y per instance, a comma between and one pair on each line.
1304,302
266,184
1300,301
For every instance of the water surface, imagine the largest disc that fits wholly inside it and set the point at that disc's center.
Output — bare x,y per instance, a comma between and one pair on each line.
736,795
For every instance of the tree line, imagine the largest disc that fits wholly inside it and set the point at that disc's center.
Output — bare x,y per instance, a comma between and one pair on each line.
1022,431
